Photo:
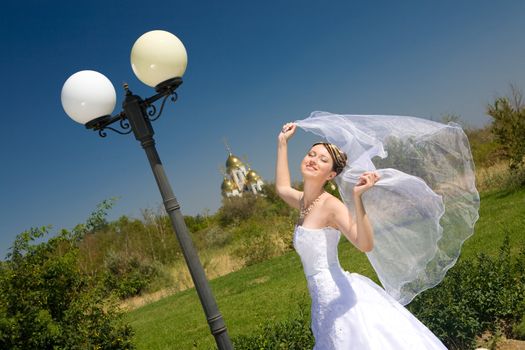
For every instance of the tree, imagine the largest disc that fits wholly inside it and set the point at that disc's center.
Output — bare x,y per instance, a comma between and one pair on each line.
508,125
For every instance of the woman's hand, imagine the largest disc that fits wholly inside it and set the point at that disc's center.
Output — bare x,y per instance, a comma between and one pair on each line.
287,131
366,181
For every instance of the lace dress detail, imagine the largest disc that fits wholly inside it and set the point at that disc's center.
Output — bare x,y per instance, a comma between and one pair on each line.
350,311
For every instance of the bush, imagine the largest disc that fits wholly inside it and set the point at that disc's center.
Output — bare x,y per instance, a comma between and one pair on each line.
485,295
291,334
196,223
237,209
258,244
216,237
500,178
486,151
128,276
48,303
519,329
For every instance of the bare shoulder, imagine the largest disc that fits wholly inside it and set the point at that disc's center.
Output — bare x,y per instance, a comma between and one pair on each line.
333,203
334,206
338,214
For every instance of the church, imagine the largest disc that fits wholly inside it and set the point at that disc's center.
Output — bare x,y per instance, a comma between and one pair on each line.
238,179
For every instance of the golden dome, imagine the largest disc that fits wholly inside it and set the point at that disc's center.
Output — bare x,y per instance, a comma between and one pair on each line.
252,176
227,185
233,162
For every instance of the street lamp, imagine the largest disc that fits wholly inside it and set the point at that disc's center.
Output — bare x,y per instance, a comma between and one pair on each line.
158,59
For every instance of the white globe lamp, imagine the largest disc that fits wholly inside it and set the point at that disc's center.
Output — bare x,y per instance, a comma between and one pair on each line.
158,56
88,95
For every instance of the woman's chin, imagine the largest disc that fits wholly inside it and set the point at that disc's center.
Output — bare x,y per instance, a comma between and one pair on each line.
310,175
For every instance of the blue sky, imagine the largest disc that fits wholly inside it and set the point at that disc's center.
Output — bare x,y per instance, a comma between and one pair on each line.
252,66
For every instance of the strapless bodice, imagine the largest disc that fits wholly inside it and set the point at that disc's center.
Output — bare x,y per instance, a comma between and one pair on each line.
317,248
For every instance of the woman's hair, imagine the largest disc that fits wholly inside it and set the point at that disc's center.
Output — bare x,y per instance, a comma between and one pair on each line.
339,157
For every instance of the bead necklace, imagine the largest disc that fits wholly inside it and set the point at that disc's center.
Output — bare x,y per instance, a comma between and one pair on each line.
306,211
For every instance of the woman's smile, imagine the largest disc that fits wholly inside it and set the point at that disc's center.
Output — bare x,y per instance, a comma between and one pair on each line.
311,166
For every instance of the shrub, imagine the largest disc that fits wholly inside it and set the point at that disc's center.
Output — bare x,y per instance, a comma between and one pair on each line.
486,151
292,334
48,303
519,329
196,223
216,237
261,241
237,209
128,276
476,296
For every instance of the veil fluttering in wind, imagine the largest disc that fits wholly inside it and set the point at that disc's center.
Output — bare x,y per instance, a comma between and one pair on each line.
425,204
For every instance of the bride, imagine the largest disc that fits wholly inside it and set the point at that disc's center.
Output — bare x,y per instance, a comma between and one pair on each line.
349,311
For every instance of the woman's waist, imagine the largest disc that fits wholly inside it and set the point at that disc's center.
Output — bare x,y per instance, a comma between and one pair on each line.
313,272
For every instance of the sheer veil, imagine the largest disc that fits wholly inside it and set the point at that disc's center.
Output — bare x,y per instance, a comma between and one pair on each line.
425,204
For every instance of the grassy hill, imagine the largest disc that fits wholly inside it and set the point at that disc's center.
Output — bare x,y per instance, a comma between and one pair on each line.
271,290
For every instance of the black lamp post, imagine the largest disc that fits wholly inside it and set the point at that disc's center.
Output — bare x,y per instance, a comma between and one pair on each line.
159,60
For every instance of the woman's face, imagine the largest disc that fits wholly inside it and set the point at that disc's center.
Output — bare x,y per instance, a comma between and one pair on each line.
318,163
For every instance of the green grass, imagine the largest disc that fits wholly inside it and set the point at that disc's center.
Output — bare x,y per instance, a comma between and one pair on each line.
272,289
500,212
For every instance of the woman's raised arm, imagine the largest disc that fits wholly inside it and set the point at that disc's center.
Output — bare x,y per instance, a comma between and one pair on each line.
359,229
283,184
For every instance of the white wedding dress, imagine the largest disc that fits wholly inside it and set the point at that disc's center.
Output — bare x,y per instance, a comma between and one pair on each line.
350,311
